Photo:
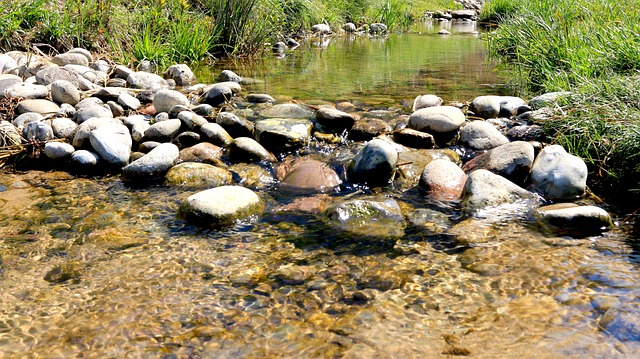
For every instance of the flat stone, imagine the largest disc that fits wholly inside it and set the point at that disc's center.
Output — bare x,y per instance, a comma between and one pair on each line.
112,143
153,165
307,174
573,217
43,107
288,110
23,90
198,175
375,217
70,58
58,150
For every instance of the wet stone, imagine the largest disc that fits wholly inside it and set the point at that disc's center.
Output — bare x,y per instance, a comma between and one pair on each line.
252,175
306,174
186,139
245,149
198,175
216,134
575,218
221,206
366,129
202,152
279,135
369,217
234,125
288,110
414,138
153,165
430,222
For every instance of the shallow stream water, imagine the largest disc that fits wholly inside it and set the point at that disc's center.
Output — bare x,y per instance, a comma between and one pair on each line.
92,268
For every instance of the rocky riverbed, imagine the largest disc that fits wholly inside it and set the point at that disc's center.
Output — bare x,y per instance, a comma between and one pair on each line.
240,226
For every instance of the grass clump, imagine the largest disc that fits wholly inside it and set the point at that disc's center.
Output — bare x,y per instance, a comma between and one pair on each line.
589,48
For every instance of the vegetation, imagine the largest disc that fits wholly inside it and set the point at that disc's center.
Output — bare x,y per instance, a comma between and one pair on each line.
589,48
169,31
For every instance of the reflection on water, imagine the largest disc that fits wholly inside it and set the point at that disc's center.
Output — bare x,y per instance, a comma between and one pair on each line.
92,268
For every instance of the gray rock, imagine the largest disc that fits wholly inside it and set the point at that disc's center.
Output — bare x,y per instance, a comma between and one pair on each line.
512,161
221,206
38,131
374,165
175,110
216,134
377,28
48,75
186,139
481,135
260,98
438,119
245,149
335,120
43,107
138,129
204,110
234,125
425,101
116,109
198,175
88,74
181,74
414,138
228,75
87,112
65,92
464,14
558,175
9,134
496,106
89,102
146,81
349,27
444,32
430,222
84,159
164,100
58,150
84,52
575,218
112,143
21,121
376,217
306,174
100,65
283,134
163,131
27,91
321,29
64,127
486,189
128,101
443,180
153,165
220,93
192,120
7,63
288,110
549,99
70,58
81,138
7,82
146,147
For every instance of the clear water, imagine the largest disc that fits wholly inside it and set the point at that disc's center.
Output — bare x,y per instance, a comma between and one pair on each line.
91,268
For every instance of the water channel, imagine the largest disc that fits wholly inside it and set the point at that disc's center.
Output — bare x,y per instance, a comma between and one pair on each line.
92,268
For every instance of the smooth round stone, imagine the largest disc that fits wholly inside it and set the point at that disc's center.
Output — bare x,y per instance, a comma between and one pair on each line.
8,81
164,100
48,75
58,150
216,134
186,139
512,160
138,130
481,135
181,74
228,75
89,102
27,91
485,189
153,165
288,110
116,109
245,149
64,127
377,217
335,120
86,112
414,138
70,58
26,118
283,134
202,152
443,180
81,138
548,99
494,106
425,101
65,92
84,158
198,175
260,98
7,63
429,221
220,93
221,206
147,146
112,143
440,119
374,165
128,101
558,175
570,216
38,131
84,52
234,125
163,131
307,174
192,120
366,129
146,81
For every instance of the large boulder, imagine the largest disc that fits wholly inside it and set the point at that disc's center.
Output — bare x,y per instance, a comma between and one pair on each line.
481,135
512,160
443,180
279,135
221,206
372,217
374,165
558,175
486,189
307,174
153,165
198,175
112,143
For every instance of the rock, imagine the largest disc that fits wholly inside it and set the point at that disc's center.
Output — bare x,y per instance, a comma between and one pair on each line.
260,98
335,120
623,323
89,102
198,175
485,189
7,82
65,92
70,58
307,174
575,218
430,222
558,175
64,127
349,27
146,81
83,132
112,143
245,149
288,110
234,125
481,135
153,165
512,161
221,206
411,164
9,134
23,90
279,48
216,134
21,121
146,147
496,106
7,63
549,99
202,152
377,28
292,43
176,110
366,129
228,75
425,101
464,14
373,217
163,131
88,74
38,131
138,130
414,138
308,204
443,180
48,75
278,135
186,139
129,101
374,165
526,133
181,74
252,175
437,119
43,107
220,93
204,110
84,52
322,29
444,32
87,112
164,100
58,150
84,159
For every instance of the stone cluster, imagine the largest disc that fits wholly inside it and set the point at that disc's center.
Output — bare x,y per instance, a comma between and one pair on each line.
95,117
